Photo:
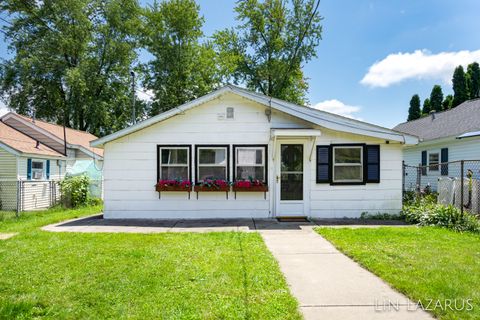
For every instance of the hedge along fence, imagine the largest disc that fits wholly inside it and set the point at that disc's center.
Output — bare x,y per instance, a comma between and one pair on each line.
425,211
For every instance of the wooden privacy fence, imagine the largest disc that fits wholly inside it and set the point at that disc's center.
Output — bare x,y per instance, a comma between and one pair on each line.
456,183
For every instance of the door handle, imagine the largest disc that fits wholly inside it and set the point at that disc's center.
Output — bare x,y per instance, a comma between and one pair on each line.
278,179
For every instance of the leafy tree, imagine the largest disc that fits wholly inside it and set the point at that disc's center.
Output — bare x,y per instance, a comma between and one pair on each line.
473,76
414,111
447,103
427,107
267,50
436,98
460,89
183,68
71,61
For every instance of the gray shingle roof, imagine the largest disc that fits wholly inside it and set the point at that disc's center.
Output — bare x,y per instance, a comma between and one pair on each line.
464,118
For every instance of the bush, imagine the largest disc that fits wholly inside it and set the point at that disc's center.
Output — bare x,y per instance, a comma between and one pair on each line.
425,212
75,191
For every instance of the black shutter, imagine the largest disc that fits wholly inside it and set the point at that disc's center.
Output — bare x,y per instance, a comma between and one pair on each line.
444,159
372,163
424,163
323,164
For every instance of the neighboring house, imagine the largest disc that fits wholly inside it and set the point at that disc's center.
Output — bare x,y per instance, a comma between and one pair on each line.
79,154
34,152
315,163
24,158
446,136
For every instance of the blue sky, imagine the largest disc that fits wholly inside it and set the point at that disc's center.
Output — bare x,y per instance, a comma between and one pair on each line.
398,48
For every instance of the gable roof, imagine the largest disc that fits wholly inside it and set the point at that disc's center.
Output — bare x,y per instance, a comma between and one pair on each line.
462,119
23,144
75,138
315,116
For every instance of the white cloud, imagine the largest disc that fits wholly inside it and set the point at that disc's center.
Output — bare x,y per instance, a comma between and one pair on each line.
421,64
337,107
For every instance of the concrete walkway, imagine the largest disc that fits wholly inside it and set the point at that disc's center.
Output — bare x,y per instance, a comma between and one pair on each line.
329,285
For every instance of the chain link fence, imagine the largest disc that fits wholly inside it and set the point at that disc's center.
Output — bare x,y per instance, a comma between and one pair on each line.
456,183
28,195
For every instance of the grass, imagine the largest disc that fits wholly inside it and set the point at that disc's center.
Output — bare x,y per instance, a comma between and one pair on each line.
425,263
140,276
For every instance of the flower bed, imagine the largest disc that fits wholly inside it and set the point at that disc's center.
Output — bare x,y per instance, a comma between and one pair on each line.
249,186
173,185
212,186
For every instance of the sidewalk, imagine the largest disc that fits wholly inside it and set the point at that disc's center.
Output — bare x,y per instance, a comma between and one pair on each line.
329,285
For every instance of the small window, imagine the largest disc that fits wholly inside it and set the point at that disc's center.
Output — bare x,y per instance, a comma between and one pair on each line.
433,161
250,163
230,113
37,170
348,164
174,163
212,163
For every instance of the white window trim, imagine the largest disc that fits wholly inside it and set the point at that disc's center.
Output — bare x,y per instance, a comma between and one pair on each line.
428,161
236,148
199,165
347,164
178,165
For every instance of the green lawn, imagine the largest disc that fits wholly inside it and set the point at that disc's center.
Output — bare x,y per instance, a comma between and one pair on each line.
143,276
423,263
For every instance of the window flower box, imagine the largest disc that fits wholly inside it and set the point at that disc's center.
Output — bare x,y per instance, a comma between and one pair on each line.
249,186
173,186
212,186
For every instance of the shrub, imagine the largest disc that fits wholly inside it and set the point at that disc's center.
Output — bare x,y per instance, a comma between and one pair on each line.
427,213
75,191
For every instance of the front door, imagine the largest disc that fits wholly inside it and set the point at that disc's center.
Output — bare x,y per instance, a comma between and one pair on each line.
290,180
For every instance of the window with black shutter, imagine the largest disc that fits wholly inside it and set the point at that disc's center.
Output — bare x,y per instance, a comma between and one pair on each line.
348,164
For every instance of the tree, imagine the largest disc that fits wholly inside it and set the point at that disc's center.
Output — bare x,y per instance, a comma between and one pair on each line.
473,76
436,98
71,61
447,103
268,49
460,89
183,68
426,107
414,111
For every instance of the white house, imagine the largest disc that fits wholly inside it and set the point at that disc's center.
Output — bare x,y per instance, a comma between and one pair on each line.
315,163
446,136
